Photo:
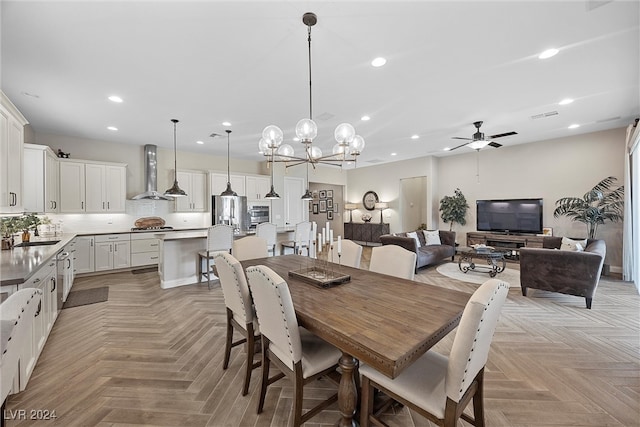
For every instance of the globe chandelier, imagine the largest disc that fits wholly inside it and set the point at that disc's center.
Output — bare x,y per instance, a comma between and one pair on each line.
347,148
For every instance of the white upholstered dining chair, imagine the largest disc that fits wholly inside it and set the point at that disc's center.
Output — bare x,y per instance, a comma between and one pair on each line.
394,261
249,247
350,256
301,238
268,232
439,387
219,238
298,354
240,312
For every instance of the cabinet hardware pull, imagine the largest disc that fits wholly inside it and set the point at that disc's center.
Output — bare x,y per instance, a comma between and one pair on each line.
69,263
102,205
53,279
112,238
153,244
108,206
82,205
153,257
37,280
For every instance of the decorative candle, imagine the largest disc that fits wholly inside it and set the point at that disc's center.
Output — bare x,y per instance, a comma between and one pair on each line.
324,235
319,243
339,244
331,237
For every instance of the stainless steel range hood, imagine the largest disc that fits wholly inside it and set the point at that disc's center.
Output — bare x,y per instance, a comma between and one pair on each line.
151,175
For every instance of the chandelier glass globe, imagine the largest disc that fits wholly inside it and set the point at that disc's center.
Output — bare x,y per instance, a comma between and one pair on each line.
341,150
315,152
357,144
273,135
285,150
263,147
306,130
344,133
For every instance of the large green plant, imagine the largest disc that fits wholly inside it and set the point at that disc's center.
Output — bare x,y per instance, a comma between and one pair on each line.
600,204
454,209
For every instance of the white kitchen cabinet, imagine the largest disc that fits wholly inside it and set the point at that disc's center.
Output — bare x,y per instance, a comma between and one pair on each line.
193,183
84,255
12,124
295,209
144,249
112,251
105,187
45,280
219,183
92,187
41,176
257,187
72,187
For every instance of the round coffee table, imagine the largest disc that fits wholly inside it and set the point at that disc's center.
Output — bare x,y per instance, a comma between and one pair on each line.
495,261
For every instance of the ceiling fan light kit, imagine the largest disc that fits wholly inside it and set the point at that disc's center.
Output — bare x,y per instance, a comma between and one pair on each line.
478,141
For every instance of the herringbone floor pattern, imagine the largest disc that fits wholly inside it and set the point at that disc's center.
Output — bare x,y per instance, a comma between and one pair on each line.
154,357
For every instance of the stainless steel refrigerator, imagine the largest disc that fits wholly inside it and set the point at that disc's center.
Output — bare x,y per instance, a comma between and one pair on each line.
232,211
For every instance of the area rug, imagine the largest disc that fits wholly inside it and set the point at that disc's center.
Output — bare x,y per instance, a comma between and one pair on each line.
451,270
86,297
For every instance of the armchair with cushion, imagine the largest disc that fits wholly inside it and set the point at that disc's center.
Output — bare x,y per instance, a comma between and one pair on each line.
568,272
426,253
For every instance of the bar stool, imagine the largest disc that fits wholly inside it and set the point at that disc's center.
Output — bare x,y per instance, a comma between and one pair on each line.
300,240
219,238
268,232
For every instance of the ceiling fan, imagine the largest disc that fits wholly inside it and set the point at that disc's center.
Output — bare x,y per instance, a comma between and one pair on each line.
478,141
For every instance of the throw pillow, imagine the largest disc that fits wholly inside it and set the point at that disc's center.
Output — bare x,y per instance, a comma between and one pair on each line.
432,237
573,245
415,236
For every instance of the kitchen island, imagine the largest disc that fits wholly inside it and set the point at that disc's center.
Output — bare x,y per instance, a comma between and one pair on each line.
178,258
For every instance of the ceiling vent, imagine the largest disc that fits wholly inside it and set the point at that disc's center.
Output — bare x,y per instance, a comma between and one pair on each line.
544,115
375,161
610,119
325,116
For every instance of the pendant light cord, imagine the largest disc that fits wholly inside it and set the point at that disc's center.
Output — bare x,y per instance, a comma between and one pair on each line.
228,168
175,152
310,96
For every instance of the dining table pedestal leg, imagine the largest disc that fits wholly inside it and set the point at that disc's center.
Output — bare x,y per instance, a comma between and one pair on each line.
347,391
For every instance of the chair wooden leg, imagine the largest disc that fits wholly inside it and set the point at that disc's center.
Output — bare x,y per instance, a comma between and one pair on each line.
199,268
250,352
588,301
478,401
297,397
366,402
228,345
265,373
524,291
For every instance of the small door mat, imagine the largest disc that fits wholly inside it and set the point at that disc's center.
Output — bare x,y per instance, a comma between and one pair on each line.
144,270
86,297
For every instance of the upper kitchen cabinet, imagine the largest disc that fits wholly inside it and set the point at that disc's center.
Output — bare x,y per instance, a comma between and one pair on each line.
92,187
41,179
219,183
194,183
12,124
257,187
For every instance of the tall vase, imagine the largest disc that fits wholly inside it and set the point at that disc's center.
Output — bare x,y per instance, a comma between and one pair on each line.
26,236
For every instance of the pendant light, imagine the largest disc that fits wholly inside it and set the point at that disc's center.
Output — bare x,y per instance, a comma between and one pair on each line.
175,191
228,192
271,195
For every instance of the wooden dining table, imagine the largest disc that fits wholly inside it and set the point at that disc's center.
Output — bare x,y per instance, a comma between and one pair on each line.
380,320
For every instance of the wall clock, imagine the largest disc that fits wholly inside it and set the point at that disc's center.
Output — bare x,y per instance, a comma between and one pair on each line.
369,200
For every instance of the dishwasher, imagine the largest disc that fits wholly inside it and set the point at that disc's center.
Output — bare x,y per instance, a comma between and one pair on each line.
64,264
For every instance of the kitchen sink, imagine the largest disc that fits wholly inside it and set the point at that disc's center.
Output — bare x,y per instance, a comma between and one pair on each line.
42,243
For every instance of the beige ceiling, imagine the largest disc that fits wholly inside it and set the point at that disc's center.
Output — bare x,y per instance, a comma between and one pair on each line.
449,64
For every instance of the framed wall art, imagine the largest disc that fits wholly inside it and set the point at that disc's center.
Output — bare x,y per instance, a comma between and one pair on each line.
329,204
322,194
315,208
330,215
323,206
329,194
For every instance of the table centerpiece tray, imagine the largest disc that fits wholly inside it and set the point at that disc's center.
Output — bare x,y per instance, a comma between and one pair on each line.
320,276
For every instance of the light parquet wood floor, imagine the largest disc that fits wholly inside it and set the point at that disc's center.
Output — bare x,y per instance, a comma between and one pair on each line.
154,357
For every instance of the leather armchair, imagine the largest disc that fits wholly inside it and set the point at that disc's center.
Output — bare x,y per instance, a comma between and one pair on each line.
572,273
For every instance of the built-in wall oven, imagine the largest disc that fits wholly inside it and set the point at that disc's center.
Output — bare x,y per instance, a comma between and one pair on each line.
257,215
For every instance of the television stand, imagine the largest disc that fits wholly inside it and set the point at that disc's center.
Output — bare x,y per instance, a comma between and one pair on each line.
505,242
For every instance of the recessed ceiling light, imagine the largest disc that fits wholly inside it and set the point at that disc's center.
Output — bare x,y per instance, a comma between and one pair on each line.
394,154
199,142
365,118
115,98
574,126
226,124
415,136
446,149
113,128
548,53
378,62
565,101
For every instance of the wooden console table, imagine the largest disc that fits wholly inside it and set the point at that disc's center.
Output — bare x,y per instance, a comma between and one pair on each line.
505,242
367,232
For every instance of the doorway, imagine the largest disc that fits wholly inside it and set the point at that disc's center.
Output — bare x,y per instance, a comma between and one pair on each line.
413,202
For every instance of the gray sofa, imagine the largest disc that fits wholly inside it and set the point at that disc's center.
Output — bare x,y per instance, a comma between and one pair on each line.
425,254
572,273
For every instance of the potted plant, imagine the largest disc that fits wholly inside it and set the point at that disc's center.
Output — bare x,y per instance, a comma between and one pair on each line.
600,204
454,209
27,223
9,226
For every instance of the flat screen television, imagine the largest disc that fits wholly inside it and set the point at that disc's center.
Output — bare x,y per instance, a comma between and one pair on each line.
510,215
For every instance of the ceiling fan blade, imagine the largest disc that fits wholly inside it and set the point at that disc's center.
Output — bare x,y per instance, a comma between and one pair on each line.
501,135
459,137
455,148
495,144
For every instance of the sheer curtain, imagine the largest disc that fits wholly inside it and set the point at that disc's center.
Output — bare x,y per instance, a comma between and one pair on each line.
631,234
